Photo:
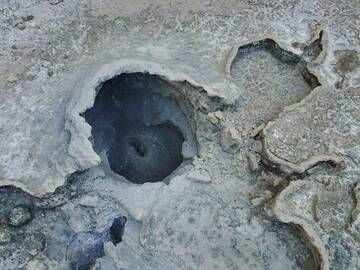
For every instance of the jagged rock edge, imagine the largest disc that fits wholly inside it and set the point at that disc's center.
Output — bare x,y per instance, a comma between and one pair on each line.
317,33
315,243
290,167
283,164
80,147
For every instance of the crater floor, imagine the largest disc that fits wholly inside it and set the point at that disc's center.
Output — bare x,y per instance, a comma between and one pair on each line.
179,135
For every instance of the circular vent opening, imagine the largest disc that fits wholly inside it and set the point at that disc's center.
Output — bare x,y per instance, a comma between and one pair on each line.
140,127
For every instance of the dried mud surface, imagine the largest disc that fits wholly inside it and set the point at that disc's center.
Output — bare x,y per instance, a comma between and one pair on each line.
269,115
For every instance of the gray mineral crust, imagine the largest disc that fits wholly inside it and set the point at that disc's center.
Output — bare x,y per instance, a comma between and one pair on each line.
225,134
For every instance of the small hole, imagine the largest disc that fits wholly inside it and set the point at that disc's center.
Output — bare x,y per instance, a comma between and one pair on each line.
138,146
117,230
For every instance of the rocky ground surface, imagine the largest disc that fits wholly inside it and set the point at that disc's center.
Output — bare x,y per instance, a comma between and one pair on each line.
272,95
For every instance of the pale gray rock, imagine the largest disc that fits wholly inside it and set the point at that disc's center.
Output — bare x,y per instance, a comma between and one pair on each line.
254,66
322,210
36,265
230,139
325,126
5,236
19,216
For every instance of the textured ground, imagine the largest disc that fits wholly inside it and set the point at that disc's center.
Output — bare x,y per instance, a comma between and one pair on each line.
274,98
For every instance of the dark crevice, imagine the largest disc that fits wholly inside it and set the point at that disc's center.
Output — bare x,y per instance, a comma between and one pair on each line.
312,51
252,70
328,165
309,77
86,247
117,230
270,45
60,196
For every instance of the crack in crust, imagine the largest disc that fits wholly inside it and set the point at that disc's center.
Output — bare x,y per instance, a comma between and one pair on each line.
290,167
